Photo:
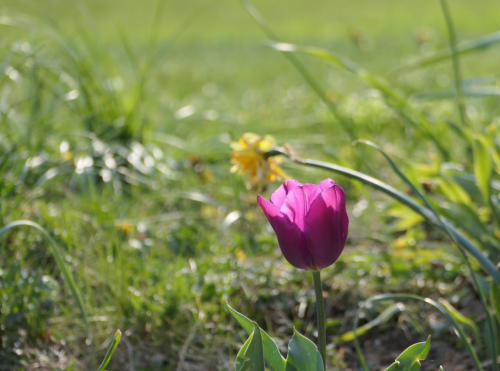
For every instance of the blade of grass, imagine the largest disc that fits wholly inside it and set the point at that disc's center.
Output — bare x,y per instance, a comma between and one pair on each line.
471,46
472,92
111,350
457,74
383,317
58,258
485,263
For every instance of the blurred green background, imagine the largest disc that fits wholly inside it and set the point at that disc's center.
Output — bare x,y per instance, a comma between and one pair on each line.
116,123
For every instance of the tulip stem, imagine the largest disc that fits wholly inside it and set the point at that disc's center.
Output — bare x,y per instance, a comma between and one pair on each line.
320,315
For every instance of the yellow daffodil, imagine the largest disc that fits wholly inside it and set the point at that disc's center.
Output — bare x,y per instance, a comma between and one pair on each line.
249,158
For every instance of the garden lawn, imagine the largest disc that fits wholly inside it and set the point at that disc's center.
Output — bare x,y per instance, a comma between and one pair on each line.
116,122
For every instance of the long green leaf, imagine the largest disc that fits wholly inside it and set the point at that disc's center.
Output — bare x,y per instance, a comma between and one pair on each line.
472,92
460,318
479,44
383,317
111,350
58,258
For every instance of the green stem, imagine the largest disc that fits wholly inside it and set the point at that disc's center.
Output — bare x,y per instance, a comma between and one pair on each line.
320,315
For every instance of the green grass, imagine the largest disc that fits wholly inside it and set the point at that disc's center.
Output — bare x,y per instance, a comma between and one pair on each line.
152,105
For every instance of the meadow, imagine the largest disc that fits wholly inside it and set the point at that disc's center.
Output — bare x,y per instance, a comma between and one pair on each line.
117,120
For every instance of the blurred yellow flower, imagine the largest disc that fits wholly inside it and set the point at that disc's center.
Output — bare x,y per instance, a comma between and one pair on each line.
124,226
249,158
240,255
67,155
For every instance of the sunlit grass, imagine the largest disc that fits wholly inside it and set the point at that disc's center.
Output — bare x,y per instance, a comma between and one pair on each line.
115,138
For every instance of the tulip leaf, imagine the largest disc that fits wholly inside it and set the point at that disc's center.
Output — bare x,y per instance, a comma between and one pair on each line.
250,357
303,354
272,355
410,359
483,166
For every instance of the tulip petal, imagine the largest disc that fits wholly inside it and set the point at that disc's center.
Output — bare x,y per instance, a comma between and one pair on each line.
326,227
335,198
311,191
278,196
327,183
291,240
295,206
297,201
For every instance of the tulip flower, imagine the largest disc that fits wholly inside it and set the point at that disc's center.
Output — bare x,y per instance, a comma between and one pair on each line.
310,222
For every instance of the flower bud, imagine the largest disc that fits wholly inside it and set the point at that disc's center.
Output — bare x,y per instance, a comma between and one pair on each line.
310,222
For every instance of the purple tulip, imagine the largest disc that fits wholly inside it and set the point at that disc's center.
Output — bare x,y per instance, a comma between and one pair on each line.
309,220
